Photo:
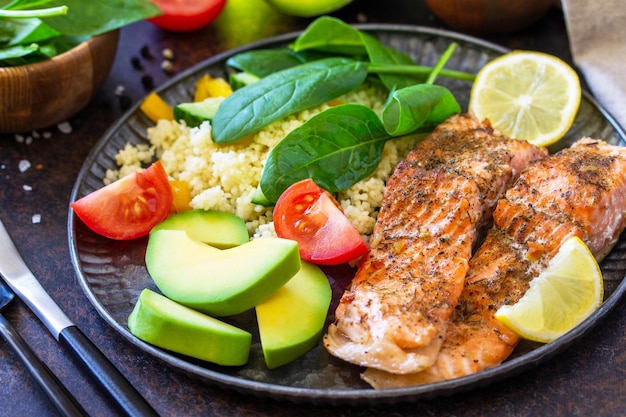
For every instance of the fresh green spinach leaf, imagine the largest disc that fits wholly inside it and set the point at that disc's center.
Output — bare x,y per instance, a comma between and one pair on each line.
263,62
329,34
25,31
45,28
93,17
17,51
414,107
337,148
380,54
280,94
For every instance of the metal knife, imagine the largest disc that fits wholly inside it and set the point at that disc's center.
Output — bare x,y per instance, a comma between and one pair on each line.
27,287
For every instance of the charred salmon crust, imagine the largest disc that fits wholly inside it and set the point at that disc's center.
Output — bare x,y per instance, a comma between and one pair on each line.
394,314
579,191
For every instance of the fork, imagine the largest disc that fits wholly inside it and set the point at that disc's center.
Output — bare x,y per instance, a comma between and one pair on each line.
62,399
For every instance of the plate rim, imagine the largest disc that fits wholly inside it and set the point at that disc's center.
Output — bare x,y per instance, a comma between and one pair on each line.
334,396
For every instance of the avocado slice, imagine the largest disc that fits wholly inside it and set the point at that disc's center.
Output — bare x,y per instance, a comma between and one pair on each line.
216,228
219,282
164,323
292,319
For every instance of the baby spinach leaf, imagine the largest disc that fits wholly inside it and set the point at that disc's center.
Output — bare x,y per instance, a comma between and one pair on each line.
25,32
380,54
263,62
93,17
17,51
410,108
337,148
283,93
330,34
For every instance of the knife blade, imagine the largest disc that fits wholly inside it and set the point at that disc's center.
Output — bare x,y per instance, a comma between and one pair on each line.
19,277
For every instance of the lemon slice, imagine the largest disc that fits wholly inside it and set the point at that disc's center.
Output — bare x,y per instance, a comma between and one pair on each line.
527,95
560,298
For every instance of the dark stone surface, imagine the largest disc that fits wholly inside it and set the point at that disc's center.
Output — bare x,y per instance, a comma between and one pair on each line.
587,379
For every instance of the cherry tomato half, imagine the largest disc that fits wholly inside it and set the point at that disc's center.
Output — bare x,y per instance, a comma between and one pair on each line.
186,15
129,207
311,216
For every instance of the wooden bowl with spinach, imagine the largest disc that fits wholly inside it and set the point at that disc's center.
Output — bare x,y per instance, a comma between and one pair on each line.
54,55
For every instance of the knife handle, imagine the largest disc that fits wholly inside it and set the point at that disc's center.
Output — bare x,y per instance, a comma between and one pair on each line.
62,399
105,373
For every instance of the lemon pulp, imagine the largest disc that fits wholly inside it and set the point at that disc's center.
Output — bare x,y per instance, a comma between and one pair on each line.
527,95
568,291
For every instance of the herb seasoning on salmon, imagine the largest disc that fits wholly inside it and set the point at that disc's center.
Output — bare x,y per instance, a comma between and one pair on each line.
393,316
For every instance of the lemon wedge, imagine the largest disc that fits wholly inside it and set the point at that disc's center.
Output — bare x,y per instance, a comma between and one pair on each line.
568,291
527,95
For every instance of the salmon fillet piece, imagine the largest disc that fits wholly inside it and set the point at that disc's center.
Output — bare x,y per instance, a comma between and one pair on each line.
580,191
393,315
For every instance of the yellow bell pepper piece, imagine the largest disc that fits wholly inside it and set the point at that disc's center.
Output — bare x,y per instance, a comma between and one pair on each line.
156,108
182,196
207,86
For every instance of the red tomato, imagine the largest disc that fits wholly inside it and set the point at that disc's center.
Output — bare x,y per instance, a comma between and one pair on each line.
129,207
311,216
186,15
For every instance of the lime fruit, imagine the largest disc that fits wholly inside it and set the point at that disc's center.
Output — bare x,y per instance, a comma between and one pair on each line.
307,8
527,95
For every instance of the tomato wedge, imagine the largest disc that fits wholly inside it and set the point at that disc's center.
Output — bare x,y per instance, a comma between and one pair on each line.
311,216
186,15
129,207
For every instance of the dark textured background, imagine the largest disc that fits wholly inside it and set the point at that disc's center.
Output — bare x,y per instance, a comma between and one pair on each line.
587,379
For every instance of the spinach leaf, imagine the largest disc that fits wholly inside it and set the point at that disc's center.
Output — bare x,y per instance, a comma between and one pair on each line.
17,51
93,17
25,32
380,54
337,148
330,34
254,106
394,68
263,62
410,108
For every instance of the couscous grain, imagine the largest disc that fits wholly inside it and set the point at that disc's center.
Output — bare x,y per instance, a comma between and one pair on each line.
225,177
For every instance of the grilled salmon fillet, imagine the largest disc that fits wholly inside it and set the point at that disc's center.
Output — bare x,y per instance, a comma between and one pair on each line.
580,191
393,315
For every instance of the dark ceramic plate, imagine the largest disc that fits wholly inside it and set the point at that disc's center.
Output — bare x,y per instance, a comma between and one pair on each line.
112,274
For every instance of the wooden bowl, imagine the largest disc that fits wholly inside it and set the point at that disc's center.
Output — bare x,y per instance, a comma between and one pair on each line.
40,95
489,16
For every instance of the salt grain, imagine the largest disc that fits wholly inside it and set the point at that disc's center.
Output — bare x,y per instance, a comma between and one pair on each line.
23,165
119,90
46,135
19,138
27,187
36,218
167,66
65,127
168,54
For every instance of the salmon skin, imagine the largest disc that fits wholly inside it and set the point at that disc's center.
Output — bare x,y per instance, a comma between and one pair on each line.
393,315
580,191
